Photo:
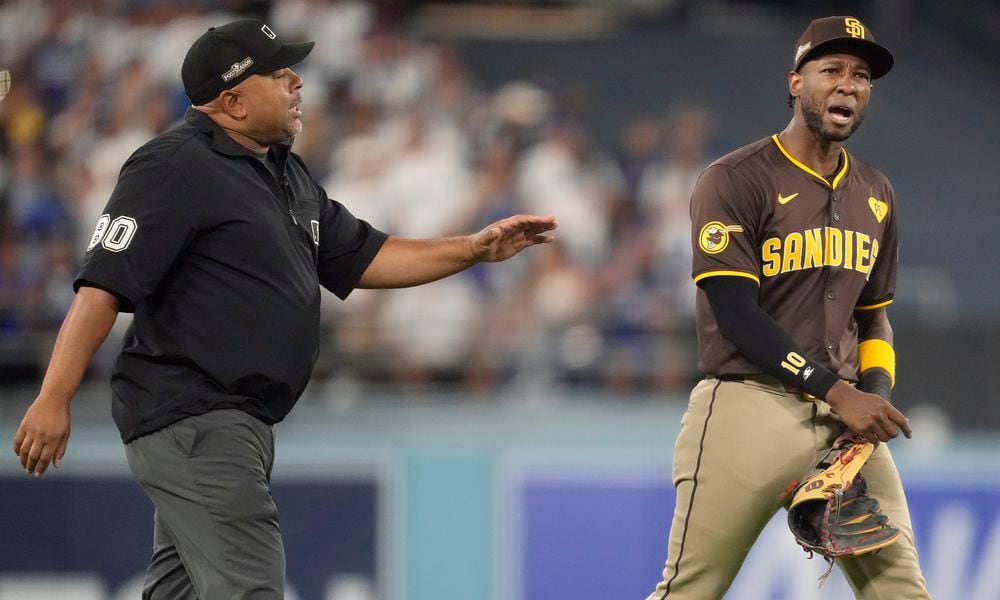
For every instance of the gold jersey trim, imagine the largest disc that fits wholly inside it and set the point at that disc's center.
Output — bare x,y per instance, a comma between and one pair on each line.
794,161
729,273
873,306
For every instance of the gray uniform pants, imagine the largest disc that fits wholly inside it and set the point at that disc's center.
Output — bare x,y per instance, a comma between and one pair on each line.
216,533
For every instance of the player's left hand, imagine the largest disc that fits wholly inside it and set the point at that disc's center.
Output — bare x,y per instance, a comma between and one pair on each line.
505,238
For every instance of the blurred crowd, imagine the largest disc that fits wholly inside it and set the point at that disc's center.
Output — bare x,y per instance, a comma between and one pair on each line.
397,129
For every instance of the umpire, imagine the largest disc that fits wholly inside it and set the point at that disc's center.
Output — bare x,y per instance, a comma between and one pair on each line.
217,238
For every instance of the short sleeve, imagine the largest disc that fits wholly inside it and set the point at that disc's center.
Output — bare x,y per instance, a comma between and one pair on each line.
880,289
347,245
148,221
724,221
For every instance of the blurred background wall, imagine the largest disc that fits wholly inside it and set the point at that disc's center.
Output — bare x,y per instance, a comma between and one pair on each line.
506,433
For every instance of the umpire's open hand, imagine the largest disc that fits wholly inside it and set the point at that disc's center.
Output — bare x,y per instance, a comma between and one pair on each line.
871,416
42,437
505,238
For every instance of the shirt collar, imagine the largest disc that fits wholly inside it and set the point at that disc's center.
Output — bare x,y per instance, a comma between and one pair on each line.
836,179
224,144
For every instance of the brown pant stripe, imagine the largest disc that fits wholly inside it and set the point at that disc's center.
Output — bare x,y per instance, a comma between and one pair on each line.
694,490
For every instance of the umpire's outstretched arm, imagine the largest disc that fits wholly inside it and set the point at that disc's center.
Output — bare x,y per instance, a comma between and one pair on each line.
406,262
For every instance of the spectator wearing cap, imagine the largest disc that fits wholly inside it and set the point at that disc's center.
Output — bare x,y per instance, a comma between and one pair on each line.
218,239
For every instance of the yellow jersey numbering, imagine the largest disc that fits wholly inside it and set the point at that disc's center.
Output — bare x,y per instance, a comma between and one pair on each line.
714,236
818,247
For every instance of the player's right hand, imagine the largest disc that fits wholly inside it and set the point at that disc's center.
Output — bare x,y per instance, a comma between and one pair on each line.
42,437
871,416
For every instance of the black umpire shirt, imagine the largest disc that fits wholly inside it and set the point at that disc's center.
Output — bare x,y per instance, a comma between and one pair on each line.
221,262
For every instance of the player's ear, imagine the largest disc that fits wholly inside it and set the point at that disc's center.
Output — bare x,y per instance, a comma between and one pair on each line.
794,84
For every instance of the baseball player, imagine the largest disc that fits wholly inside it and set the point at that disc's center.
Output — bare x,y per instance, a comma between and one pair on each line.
795,252
217,238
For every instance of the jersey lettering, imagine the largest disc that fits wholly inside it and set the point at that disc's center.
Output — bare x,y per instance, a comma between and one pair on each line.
814,249
119,234
819,247
793,253
834,247
849,250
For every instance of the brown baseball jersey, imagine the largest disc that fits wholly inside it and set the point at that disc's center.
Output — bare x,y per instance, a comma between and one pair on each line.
819,250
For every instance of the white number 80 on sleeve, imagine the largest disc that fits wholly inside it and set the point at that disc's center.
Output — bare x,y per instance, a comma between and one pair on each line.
113,235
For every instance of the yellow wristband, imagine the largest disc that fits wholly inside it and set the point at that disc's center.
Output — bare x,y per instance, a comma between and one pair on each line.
877,354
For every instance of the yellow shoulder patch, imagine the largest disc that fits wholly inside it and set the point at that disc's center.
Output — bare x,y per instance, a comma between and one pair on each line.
714,236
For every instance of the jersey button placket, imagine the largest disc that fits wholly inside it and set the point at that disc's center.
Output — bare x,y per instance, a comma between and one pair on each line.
285,184
830,310
829,276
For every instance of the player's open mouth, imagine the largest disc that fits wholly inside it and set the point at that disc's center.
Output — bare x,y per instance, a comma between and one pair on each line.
295,110
840,114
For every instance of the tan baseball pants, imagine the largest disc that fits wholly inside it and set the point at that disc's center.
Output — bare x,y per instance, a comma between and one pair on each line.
740,445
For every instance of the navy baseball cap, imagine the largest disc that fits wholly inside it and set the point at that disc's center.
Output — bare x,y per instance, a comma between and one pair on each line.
224,56
831,35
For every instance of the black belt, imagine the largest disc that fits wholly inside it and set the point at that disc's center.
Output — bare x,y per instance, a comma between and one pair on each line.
765,380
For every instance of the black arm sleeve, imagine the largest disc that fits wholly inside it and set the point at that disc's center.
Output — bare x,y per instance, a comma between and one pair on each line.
755,334
876,381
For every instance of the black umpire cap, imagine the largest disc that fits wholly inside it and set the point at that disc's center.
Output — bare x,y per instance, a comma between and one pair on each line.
224,56
831,35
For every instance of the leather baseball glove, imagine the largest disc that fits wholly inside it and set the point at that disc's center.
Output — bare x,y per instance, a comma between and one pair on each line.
831,512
